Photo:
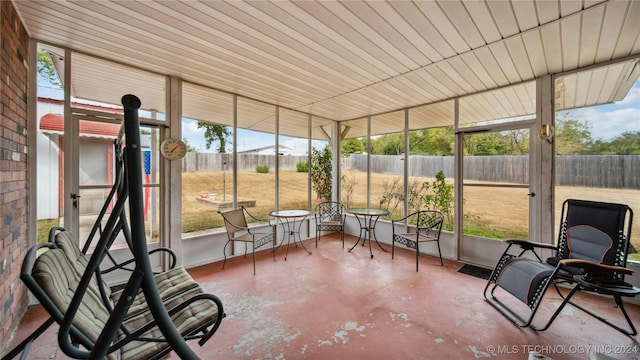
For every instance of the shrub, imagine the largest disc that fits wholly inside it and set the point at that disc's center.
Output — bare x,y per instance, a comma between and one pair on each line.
263,169
348,187
392,194
302,166
321,181
439,196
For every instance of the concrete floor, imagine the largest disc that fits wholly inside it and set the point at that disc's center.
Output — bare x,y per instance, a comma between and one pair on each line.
336,304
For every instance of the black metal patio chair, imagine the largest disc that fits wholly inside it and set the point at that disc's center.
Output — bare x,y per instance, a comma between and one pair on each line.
329,216
416,228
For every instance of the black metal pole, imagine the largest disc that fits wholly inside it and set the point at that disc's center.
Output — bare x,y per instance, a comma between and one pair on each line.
139,249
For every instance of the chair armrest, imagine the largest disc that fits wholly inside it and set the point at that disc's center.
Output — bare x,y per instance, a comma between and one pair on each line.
393,222
268,220
530,245
123,265
592,267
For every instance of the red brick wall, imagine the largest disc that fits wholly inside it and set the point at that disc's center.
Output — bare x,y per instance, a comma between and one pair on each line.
14,56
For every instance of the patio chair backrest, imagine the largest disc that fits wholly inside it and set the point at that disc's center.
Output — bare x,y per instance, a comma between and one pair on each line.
234,221
330,210
65,242
59,279
430,220
593,231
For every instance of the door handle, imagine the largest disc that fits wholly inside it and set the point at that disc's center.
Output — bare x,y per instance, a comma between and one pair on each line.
532,194
75,198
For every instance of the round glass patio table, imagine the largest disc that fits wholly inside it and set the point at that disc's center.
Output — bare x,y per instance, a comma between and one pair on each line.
287,219
370,218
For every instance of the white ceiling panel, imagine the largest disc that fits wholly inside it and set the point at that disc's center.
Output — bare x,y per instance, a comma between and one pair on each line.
464,23
524,12
341,60
610,29
431,116
520,57
535,52
504,17
549,11
483,19
630,32
552,44
438,18
503,57
590,35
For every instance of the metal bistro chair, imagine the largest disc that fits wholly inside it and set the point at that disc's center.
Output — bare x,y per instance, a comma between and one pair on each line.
329,216
428,225
235,221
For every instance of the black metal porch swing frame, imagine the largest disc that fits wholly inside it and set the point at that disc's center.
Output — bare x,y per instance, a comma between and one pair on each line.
142,276
67,288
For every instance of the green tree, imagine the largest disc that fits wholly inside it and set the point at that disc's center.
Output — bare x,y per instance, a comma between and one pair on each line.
434,142
390,144
628,143
572,137
485,144
321,180
439,196
46,69
351,146
517,142
213,133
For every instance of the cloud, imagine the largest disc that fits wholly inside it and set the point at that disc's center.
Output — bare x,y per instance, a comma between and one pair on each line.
633,97
606,125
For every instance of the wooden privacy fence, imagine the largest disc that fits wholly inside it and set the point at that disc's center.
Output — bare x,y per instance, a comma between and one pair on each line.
600,171
195,161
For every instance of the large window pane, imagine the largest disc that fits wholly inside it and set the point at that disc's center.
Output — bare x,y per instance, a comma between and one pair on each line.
256,150
321,130
598,146
355,166
207,181
430,155
387,163
294,150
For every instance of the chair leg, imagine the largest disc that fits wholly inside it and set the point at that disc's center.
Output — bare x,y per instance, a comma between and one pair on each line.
558,310
620,303
618,300
393,246
317,236
224,252
254,258
439,252
417,254
273,252
342,236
